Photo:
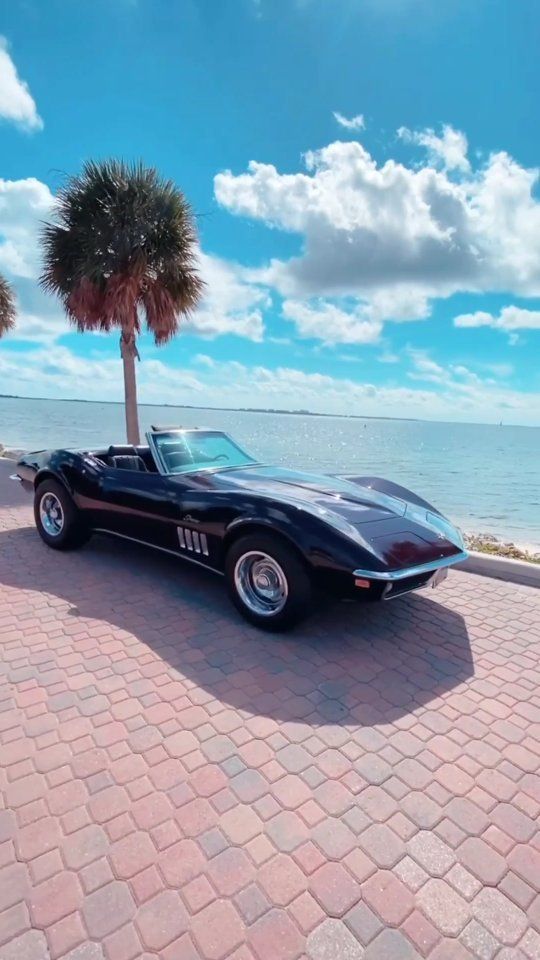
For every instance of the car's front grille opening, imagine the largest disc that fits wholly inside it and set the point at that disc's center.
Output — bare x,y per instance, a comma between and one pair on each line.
398,587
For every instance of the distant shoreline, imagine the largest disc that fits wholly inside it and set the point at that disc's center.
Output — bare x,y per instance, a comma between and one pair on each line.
272,410
196,406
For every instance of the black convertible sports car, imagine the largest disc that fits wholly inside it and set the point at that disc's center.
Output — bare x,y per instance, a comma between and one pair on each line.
277,535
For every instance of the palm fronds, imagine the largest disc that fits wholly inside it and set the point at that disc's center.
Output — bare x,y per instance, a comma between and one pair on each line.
121,251
8,310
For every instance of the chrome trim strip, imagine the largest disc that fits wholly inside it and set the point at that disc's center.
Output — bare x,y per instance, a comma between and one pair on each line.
204,544
181,538
196,542
15,476
189,539
412,571
154,546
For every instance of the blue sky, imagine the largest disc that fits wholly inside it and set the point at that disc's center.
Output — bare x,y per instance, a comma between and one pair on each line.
364,173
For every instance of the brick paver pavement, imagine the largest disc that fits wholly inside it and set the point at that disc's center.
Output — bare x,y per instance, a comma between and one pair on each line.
176,785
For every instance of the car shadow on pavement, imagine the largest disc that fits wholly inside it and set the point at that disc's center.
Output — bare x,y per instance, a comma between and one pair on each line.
349,664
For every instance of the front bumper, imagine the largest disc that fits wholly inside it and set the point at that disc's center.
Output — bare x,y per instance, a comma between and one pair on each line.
393,583
404,572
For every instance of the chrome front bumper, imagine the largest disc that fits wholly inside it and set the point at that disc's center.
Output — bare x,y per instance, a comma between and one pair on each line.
404,572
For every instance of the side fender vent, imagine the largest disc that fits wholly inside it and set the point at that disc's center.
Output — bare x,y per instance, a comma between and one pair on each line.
193,541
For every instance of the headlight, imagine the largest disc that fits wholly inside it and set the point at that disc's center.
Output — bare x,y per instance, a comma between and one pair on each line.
452,533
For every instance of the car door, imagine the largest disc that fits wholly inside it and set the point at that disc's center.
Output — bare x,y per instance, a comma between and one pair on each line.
134,504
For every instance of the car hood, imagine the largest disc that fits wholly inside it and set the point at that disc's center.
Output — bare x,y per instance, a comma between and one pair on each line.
349,499
396,530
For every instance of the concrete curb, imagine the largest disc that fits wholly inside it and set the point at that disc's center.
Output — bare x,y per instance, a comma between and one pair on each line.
12,455
502,568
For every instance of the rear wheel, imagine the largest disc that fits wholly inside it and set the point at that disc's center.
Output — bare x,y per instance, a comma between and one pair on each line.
58,521
268,582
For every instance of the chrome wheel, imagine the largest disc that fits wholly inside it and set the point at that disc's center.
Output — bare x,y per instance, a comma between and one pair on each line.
51,514
261,583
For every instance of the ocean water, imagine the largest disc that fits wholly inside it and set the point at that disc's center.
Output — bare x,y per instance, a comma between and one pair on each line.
486,478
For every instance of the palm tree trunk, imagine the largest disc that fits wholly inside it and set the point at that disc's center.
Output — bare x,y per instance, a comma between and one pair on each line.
129,353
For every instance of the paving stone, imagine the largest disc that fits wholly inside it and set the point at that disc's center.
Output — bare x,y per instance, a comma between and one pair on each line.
54,899
421,932
252,903
32,945
391,945
382,845
241,824
467,815
515,823
376,804
86,951
14,885
334,888
500,916
230,871
333,941
294,758
391,900
525,861
281,879
108,909
464,882
14,922
479,941
162,920
482,860
275,934
213,842
444,907
287,831
131,854
334,838
435,856
363,923
181,862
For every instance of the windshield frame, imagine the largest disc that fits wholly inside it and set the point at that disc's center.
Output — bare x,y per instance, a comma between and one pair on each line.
152,436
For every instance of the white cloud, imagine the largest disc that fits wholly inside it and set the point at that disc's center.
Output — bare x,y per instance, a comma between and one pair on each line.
16,102
23,205
327,322
232,304
456,394
368,230
459,378
449,150
509,319
63,374
350,123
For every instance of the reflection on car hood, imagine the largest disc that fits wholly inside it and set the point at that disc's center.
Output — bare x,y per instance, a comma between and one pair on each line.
381,522
356,503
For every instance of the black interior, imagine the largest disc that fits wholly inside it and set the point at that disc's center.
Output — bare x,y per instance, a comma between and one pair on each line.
127,457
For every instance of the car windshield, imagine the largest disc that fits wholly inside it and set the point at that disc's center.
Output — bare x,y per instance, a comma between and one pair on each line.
188,452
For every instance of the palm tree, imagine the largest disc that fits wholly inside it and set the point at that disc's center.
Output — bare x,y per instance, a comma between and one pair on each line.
7,307
123,247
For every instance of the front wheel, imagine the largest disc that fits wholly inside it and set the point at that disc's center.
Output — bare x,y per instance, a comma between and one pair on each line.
268,582
57,519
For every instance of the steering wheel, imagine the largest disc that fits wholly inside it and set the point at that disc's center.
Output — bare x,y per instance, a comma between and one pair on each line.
220,456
